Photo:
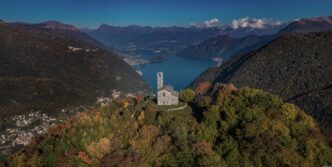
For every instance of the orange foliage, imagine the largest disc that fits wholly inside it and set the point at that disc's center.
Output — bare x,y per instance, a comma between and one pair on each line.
141,116
84,157
203,148
97,116
203,87
100,148
162,144
148,133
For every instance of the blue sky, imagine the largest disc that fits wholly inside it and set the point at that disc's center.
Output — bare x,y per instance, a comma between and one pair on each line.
91,13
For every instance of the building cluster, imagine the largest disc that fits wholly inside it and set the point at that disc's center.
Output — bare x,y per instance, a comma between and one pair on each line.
22,129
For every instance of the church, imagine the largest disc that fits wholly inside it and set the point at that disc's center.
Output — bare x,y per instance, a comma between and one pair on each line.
166,95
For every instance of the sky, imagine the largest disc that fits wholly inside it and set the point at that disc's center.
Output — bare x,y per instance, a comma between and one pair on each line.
91,13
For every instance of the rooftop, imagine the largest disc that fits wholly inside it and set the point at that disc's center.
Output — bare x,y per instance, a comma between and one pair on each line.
170,89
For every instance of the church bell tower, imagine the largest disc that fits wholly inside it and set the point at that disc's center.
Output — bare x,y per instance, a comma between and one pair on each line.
160,80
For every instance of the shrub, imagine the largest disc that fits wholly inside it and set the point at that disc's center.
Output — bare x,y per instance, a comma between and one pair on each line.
187,95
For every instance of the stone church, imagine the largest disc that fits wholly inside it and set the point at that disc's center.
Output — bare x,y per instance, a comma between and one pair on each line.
166,95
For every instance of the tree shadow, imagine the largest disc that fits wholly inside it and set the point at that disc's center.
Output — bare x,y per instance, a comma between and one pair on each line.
197,112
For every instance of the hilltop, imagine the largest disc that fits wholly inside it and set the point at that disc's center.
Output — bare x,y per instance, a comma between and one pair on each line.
234,127
61,30
296,67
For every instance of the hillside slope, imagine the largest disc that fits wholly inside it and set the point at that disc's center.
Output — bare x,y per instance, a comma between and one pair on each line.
244,127
61,30
295,67
307,25
48,71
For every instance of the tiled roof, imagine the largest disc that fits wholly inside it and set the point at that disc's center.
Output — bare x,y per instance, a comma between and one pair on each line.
170,88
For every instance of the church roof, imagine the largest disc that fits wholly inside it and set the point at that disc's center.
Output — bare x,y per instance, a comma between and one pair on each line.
169,88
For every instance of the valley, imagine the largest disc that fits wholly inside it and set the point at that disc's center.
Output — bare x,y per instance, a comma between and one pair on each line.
105,83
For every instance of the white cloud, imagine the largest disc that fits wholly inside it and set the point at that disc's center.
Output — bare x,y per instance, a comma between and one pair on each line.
192,24
207,24
212,23
248,22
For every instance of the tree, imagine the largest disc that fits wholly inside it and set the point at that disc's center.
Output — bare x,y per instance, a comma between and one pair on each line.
187,95
204,101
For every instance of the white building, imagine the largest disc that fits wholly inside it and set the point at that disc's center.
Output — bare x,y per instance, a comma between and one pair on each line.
166,95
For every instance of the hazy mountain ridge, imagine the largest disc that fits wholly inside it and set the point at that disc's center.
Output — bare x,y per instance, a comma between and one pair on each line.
296,67
168,39
307,25
220,47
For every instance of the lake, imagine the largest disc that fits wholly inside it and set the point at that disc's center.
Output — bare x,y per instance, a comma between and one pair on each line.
178,71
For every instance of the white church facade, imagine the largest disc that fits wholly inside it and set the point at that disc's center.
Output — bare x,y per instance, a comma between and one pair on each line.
166,95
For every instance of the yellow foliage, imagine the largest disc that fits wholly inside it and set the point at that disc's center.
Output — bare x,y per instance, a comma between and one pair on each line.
289,111
278,128
100,148
141,116
125,104
308,121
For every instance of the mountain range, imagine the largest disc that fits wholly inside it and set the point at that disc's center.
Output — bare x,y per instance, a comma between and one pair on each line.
225,46
168,39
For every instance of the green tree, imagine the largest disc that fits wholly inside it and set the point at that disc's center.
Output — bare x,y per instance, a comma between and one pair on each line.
187,95
204,101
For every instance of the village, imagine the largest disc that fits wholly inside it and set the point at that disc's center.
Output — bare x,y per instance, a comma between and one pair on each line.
23,128
20,129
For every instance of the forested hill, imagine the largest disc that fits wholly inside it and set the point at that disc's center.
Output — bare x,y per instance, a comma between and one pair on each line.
224,46
48,72
61,30
295,67
234,127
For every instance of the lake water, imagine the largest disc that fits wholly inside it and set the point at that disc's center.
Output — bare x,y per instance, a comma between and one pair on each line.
178,71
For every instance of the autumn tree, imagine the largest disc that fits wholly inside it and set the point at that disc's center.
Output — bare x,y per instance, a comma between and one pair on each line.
187,95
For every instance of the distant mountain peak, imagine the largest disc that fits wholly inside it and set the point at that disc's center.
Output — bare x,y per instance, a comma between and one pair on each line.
55,25
307,25
327,19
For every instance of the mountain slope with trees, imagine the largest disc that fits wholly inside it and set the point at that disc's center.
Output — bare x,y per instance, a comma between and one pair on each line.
61,30
295,67
224,46
236,127
48,72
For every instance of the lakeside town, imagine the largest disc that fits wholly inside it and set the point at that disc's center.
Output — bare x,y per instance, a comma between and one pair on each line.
18,130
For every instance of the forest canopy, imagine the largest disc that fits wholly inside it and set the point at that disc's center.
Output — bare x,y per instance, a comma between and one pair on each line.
233,127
